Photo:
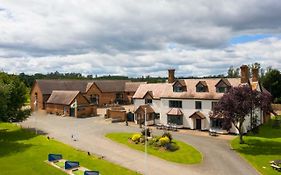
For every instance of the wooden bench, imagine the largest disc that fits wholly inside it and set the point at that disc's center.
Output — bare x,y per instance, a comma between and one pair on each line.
275,167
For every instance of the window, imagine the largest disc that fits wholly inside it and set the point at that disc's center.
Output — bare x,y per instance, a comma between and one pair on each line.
216,123
214,103
200,88
178,88
175,104
148,101
198,105
94,99
221,89
175,119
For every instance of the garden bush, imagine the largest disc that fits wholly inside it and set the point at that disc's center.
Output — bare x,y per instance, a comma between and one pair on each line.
136,137
164,140
167,134
171,146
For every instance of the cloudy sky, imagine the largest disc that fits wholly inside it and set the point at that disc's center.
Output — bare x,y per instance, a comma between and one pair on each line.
138,37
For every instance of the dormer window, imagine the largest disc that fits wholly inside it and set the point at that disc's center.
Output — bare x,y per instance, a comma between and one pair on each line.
178,89
179,86
222,86
148,101
201,86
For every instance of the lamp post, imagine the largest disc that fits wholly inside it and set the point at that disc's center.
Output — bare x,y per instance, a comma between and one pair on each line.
145,141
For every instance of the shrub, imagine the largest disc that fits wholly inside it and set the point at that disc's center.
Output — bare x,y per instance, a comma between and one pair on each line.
172,146
136,137
164,140
167,134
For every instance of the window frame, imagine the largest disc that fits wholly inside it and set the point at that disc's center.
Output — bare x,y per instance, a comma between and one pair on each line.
196,105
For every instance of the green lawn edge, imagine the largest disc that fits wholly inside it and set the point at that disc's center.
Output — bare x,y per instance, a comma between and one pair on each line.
185,155
260,149
24,152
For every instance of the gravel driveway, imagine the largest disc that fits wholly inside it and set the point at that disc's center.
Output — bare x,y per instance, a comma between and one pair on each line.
218,158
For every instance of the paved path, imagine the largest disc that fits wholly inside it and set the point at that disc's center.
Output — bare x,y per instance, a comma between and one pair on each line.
218,159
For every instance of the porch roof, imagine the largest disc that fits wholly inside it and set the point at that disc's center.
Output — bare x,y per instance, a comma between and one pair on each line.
197,115
142,108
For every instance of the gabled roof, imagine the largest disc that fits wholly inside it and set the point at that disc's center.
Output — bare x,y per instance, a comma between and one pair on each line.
132,86
157,89
142,108
197,115
202,82
47,86
175,111
225,81
111,85
62,97
165,90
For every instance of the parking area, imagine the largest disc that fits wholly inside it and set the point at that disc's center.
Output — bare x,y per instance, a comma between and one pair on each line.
218,158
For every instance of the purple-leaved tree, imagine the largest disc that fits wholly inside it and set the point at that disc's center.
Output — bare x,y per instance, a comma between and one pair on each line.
238,103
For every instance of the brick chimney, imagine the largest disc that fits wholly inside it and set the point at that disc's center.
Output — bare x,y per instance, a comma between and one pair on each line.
244,74
171,75
255,72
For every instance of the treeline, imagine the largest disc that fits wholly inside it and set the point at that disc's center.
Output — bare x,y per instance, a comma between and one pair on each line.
29,79
269,78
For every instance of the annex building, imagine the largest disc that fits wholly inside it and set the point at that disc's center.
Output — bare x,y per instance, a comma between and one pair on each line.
80,97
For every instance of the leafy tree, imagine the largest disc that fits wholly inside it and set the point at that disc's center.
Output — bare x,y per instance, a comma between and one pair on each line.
232,72
238,103
272,82
12,97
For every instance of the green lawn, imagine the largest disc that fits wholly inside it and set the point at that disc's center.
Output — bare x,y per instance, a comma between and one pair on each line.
260,149
185,155
23,152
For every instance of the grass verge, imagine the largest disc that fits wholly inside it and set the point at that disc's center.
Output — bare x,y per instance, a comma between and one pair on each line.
260,149
185,155
24,152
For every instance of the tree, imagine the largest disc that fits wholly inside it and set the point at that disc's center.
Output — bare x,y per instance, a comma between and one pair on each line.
238,103
12,98
272,82
232,72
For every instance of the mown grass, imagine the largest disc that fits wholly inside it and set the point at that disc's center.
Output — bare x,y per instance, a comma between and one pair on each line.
24,152
262,148
185,155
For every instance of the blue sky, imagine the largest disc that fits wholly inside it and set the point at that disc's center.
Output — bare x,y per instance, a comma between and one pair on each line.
250,38
131,38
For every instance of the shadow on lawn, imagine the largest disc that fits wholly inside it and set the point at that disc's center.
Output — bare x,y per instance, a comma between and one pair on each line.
260,147
7,148
9,141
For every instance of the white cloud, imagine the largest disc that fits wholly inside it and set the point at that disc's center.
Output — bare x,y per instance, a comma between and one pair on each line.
136,38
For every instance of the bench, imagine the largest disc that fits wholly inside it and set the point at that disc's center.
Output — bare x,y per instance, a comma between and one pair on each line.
275,167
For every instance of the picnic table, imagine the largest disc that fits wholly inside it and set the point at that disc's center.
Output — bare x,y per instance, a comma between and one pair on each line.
275,164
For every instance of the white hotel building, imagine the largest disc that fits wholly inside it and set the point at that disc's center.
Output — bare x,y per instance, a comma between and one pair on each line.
187,103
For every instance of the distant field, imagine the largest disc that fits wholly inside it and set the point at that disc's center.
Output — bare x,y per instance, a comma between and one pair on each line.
262,148
24,152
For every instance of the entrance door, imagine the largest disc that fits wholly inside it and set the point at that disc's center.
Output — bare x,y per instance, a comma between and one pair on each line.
198,124
72,112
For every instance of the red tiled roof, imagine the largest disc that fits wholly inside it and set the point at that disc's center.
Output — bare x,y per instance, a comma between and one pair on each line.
165,90
47,86
132,86
62,97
